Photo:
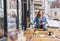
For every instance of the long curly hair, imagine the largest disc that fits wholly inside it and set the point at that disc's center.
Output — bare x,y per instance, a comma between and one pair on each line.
38,15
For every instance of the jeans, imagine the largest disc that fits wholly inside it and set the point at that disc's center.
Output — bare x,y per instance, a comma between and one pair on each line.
41,27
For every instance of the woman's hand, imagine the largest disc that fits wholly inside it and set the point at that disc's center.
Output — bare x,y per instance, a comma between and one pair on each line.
42,23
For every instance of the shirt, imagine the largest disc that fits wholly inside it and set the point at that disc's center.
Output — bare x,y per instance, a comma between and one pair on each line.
41,22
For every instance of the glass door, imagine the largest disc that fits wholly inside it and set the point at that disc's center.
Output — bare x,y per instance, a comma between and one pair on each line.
11,15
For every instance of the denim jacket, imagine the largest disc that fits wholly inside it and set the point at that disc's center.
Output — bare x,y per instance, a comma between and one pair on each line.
37,21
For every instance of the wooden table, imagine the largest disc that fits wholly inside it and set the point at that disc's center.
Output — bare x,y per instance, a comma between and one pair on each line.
43,39
28,34
8,39
56,31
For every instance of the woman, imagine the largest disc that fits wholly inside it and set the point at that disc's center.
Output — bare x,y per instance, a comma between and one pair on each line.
11,20
40,20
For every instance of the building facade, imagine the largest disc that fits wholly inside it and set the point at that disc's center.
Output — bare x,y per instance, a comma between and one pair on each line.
38,4
55,10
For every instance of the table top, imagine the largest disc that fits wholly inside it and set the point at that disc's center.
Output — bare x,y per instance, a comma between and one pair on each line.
41,35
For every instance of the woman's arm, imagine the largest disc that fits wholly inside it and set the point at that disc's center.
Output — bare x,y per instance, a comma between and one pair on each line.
33,21
45,21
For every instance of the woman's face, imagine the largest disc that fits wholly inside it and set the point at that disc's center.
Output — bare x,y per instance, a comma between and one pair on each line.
11,14
41,13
